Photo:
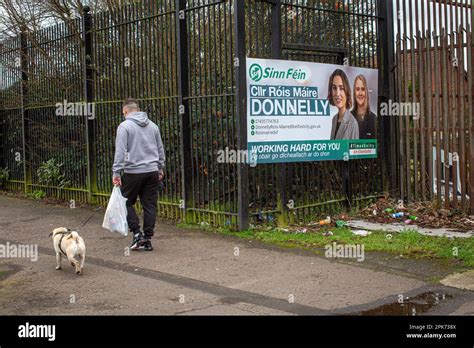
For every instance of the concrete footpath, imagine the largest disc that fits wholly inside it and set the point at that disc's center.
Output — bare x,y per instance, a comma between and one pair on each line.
192,272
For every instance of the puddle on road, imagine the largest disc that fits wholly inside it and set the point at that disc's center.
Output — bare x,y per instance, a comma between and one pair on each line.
419,304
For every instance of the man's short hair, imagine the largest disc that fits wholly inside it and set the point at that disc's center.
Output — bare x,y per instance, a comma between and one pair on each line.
131,104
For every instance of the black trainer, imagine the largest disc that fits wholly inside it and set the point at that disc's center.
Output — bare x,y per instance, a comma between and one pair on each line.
146,245
137,241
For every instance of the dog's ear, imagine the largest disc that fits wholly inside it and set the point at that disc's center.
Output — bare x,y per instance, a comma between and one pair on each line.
51,234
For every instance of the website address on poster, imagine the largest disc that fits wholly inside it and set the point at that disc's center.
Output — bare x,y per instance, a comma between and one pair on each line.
274,129
289,126
300,126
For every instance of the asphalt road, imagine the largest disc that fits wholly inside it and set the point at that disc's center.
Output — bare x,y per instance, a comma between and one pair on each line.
192,272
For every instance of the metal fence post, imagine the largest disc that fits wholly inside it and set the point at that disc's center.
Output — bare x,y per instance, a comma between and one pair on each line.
470,91
282,167
88,76
183,105
241,111
387,83
2,136
24,111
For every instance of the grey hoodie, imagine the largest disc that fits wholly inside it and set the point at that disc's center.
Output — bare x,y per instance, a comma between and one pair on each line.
138,146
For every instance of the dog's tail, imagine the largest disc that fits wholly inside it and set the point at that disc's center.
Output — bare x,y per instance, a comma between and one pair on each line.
74,236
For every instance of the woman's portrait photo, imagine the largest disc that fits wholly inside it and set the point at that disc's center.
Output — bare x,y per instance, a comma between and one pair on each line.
366,119
344,125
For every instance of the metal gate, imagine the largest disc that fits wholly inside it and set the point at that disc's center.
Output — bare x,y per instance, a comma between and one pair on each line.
434,72
305,30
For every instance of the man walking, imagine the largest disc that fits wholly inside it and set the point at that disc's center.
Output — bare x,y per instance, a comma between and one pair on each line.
139,153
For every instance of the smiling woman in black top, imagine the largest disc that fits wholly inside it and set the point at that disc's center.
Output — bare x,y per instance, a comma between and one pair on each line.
362,113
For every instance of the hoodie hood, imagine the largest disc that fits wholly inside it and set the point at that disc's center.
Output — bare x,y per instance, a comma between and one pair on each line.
139,117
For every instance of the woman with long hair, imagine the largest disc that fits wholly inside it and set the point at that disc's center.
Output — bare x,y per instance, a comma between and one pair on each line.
344,125
366,119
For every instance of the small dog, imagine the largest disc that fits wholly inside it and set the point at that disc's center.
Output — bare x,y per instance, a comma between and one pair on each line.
69,244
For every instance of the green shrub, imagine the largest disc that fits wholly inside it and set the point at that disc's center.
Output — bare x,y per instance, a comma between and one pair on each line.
4,176
50,174
38,194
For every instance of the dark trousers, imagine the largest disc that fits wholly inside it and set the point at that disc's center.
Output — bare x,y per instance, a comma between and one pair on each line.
145,186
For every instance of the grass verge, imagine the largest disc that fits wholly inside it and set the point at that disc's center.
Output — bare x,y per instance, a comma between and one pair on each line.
410,244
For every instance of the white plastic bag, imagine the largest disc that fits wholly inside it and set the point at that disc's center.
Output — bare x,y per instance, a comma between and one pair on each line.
115,218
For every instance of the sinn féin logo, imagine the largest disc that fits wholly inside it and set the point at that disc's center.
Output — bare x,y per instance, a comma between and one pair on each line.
256,72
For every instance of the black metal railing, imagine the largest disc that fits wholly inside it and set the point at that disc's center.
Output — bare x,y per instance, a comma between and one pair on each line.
185,62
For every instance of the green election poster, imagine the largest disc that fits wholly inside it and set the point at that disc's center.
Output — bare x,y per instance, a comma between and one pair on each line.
302,111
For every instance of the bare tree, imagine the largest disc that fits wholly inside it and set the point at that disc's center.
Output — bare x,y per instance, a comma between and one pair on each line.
36,14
